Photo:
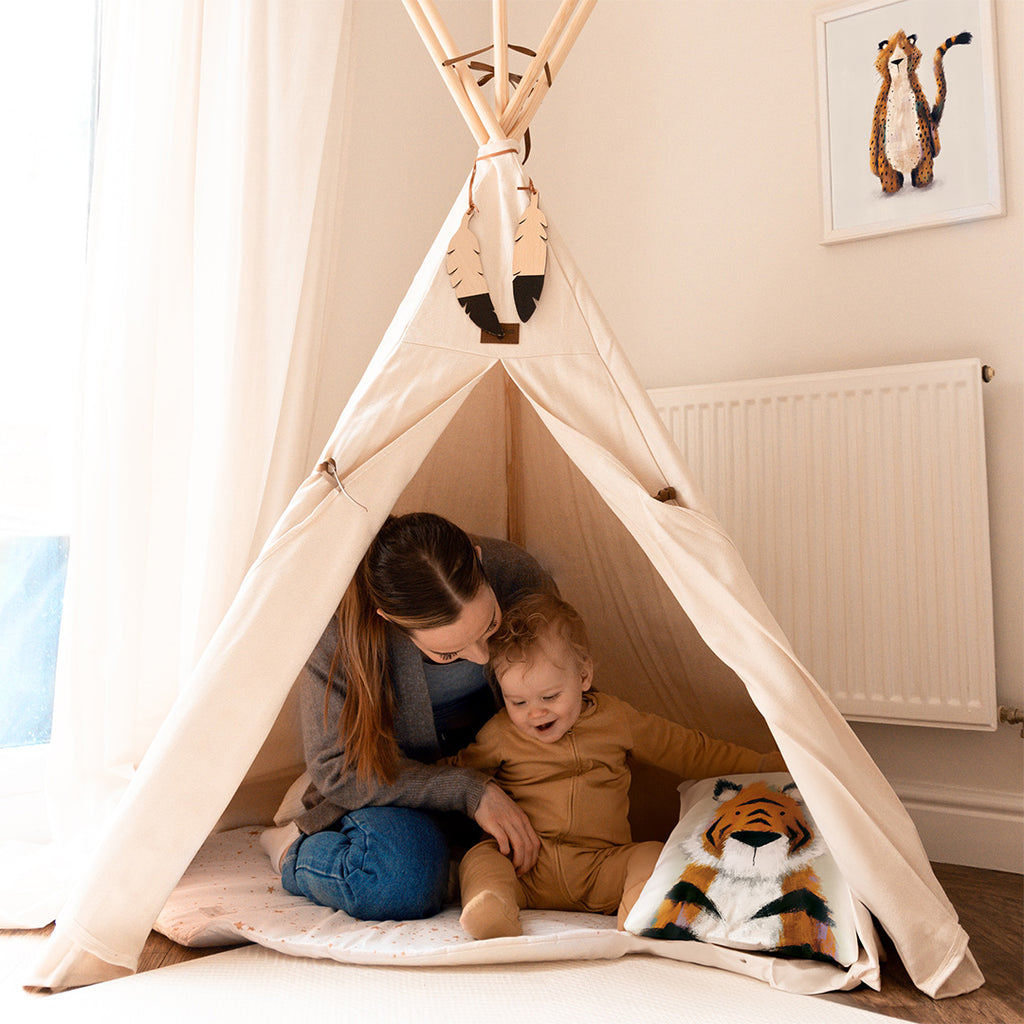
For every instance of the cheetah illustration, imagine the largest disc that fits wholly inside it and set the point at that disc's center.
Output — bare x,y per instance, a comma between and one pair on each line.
905,131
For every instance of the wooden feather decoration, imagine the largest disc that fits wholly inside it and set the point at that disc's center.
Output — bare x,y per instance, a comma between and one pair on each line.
529,258
466,273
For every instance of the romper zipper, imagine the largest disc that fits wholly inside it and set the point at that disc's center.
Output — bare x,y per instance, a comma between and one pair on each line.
571,815
575,784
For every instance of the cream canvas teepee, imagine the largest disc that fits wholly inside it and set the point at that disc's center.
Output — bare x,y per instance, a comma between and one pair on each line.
552,442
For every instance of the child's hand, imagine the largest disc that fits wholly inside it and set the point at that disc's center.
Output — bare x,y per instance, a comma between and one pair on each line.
501,817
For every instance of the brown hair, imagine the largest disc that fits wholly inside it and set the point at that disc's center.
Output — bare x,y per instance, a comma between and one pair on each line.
531,618
420,570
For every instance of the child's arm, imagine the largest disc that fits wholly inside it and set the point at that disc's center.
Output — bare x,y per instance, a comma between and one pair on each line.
692,754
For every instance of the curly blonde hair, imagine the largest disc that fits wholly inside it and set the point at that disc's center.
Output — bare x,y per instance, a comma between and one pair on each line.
523,625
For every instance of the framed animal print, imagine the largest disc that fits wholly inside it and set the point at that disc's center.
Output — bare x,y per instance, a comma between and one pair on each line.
909,116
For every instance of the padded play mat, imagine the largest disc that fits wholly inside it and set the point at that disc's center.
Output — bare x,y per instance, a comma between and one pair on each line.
230,895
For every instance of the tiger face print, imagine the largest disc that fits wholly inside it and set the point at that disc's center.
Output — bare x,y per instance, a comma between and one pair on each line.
755,817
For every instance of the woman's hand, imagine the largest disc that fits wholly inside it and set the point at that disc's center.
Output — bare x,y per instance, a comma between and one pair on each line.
501,817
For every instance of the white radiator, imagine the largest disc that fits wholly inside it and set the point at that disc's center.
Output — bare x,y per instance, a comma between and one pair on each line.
859,503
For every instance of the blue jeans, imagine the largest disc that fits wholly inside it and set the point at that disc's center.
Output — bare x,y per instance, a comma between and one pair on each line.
375,864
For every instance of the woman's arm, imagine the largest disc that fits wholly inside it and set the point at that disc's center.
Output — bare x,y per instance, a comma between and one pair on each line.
442,787
435,787
416,784
498,814
501,817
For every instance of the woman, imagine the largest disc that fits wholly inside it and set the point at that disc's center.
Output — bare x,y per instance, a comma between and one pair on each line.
396,682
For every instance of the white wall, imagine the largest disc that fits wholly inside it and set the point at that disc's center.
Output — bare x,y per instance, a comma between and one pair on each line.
678,156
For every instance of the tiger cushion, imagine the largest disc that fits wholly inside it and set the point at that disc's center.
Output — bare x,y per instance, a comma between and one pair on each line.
747,868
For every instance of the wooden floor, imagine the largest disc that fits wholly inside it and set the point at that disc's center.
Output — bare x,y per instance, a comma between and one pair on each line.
991,909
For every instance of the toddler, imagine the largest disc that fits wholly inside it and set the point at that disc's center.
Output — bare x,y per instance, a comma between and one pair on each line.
559,749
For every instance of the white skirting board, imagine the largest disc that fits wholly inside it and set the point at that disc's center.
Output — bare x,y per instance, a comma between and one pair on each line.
974,827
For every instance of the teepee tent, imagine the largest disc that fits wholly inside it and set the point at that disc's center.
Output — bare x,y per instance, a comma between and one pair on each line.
544,436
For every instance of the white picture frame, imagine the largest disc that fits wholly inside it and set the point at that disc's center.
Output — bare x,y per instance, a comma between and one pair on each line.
968,169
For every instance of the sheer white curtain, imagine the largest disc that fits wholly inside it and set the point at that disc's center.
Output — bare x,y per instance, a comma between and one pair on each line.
218,164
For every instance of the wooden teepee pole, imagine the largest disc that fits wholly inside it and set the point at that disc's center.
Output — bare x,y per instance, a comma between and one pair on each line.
516,113
536,66
499,13
473,91
450,75
513,464
515,125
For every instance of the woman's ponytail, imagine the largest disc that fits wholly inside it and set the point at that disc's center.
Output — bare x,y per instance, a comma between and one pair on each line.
366,724
421,571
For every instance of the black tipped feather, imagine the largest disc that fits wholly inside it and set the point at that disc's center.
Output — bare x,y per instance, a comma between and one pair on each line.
529,258
466,273
480,310
526,290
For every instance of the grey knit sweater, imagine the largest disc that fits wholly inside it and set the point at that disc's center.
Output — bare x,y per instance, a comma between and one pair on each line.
335,791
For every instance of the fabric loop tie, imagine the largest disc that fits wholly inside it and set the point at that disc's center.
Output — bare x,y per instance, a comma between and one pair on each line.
472,176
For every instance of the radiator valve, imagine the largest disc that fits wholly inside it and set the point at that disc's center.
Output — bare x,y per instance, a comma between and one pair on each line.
1012,716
